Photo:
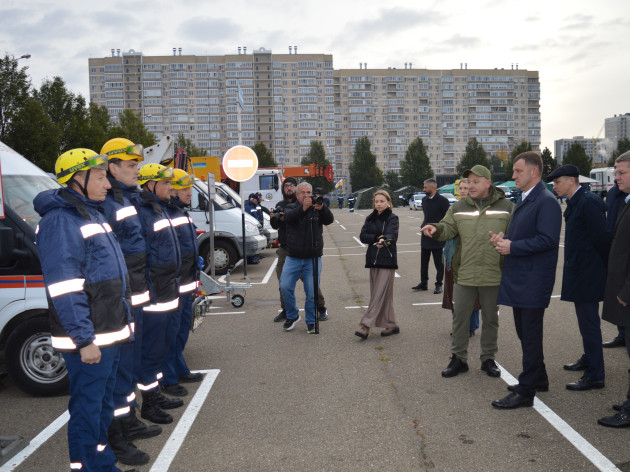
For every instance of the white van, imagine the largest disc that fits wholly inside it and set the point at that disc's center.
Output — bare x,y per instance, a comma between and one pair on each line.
25,347
228,230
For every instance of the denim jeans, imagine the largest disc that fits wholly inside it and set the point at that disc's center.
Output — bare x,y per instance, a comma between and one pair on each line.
294,269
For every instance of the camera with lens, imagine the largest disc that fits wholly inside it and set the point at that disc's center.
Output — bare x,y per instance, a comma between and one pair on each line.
318,200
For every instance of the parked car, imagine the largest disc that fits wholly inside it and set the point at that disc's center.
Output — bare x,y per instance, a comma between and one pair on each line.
450,197
415,202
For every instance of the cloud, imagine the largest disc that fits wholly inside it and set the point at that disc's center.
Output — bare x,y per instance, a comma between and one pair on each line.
205,30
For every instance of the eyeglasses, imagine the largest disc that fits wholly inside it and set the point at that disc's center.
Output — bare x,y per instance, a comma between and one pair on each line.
94,162
288,184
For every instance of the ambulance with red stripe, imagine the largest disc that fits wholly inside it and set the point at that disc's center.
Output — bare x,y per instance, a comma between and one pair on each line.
26,351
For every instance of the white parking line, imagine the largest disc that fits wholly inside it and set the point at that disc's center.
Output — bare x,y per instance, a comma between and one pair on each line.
587,449
270,271
343,228
359,241
168,452
174,442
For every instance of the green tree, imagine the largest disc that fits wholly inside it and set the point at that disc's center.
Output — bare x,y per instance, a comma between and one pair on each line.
363,170
392,180
577,156
97,127
14,88
549,163
132,128
265,156
187,145
522,147
317,155
474,154
623,145
416,167
34,135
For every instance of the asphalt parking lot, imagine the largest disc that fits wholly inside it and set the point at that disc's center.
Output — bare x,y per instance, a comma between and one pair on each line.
289,401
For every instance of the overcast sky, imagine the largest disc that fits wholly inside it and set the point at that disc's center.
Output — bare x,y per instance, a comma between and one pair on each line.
580,48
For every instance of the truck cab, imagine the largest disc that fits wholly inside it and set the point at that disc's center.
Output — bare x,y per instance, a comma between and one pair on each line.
26,352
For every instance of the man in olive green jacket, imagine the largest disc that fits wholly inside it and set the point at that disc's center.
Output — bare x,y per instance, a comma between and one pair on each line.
476,266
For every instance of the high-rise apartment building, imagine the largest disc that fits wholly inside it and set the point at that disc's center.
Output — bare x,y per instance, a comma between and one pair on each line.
616,128
595,148
292,99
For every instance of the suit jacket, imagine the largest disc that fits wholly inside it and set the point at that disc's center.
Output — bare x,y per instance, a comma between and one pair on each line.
618,280
529,271
434,210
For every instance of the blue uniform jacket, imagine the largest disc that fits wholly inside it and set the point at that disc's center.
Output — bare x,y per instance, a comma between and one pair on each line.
254,210
529,271
84,272
125,222
187,237
162,248
586,245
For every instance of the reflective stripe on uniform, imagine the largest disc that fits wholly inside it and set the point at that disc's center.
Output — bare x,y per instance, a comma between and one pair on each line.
188,287
125,212
101,339
67,286
122,411
467,213
91,229
180,220
140,298
159,375
161,224
497,212
101,447
131,397
148,387
76,465
165,306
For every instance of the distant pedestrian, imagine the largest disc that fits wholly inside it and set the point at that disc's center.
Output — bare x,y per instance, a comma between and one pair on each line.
434,207
530,250
380,233
586,244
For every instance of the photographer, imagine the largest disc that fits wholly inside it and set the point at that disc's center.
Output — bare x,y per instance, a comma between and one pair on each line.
304,239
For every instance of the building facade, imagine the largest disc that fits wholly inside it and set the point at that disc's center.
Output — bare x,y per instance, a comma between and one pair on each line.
616,128
595,148
292,99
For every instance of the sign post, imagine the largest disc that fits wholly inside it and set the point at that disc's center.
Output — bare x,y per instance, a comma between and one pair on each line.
240,163
211,197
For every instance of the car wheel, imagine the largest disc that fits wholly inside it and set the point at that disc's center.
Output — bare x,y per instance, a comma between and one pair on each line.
224,257
32,362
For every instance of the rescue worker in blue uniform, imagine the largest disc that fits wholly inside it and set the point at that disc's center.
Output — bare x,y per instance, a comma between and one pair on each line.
88,293
252,207
174,368
122,173
163,265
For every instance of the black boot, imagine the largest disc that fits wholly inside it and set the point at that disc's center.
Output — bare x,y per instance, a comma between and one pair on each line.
124,450
167,403
136,429
151,410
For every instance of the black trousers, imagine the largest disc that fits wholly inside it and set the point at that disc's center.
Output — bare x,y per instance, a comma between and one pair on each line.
425,255
529,328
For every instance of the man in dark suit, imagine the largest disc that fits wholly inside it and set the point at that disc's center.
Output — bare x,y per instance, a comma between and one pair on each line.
586,244
616,307
529,271
434,207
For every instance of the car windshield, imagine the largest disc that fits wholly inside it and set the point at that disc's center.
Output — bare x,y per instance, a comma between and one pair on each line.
19,191
197,196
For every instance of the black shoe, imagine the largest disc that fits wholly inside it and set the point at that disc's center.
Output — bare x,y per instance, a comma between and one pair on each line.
151,410
539,388
176,390
617,342
585,383
617,406
471,333
491,368
323,313
167,403
513,400
133,428
579,365
454,367
620,420
124,450
191,377
280,317
290,324
438,290
420,287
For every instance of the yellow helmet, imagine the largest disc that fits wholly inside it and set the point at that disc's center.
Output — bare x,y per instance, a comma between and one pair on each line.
154,172
75,160
121,148
181,179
